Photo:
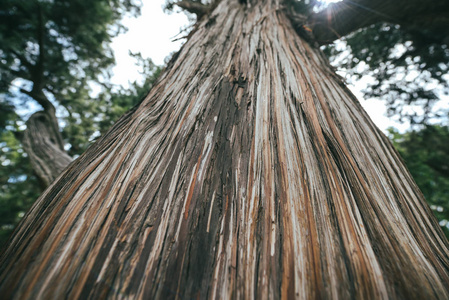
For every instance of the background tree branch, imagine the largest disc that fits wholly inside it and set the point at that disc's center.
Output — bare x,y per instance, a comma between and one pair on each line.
197,8
340,19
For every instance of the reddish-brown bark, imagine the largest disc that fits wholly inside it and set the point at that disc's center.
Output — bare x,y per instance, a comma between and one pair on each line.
249,171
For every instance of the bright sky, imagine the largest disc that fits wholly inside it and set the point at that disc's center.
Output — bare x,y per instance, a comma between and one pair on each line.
152,34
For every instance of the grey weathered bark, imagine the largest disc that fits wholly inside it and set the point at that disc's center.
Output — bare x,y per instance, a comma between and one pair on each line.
344,17
249,171
43,143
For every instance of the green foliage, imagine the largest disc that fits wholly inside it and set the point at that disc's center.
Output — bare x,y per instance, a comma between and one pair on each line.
409,67
6,113
49,52
426,154
57,45
116,104
88,118
19,188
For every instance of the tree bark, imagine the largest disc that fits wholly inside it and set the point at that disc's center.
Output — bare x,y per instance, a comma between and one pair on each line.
249,171
43,143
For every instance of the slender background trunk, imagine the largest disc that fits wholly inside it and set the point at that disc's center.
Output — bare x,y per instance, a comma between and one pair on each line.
42,140
249,171
43,143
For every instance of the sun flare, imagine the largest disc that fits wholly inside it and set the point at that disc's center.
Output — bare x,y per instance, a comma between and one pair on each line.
329,1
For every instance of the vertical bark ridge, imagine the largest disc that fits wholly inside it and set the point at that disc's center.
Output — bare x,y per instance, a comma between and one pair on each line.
249,171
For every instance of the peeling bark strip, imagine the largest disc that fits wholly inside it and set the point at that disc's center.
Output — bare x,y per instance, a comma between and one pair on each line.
43,144
249,172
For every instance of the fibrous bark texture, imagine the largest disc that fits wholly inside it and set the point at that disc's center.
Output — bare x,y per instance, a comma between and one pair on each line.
248,172
42,142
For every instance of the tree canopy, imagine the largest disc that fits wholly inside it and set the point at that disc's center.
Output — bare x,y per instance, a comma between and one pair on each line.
47,58
404,48
92,116
54,47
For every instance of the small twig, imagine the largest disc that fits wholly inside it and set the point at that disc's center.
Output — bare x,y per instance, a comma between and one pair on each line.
180,38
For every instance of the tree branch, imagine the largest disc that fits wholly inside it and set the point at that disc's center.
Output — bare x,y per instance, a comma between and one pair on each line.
340,19
40,98
196,8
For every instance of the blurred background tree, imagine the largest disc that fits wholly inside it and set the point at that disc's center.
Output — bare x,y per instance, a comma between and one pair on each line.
408,69
52,55
49,52
89,118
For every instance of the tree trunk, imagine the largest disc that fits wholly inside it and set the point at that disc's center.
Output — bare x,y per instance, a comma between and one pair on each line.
249,171
43,143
